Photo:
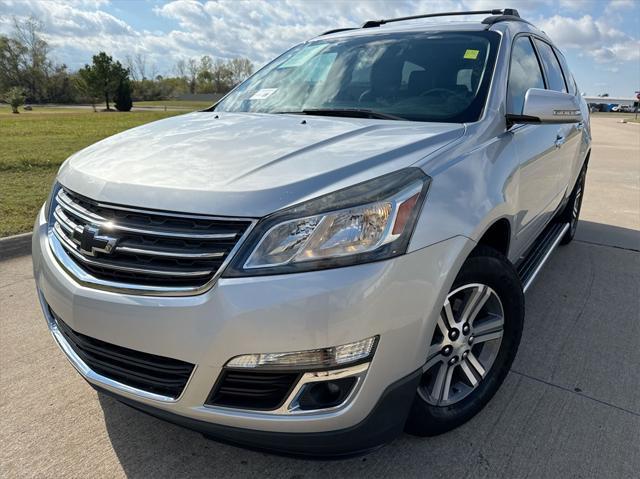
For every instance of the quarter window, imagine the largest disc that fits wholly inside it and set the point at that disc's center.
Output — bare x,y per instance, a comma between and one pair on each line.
555,79
524,73
571,84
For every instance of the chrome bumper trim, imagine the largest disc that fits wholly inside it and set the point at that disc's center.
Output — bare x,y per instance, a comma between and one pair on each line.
291,407
93,377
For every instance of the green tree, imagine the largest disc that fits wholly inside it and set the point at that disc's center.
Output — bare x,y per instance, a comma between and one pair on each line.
35,63
15,98
23,59
240,69
24,62
192,70
205,75
12,59
123,95
60,87
86,90
222,76
104,76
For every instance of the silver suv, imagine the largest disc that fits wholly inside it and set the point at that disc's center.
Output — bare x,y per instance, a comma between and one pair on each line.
335,252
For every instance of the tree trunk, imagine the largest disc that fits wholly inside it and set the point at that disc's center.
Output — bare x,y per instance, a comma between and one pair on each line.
106,99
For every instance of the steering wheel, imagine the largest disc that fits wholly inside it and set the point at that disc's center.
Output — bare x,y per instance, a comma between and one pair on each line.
442,92
364,94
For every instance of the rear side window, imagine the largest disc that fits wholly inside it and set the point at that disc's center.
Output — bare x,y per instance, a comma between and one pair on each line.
524,73
551,67
571,84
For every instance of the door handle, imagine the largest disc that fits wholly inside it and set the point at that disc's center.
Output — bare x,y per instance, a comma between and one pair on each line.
559,140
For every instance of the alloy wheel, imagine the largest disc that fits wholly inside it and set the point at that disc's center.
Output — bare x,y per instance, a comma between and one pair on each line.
577,203
464,345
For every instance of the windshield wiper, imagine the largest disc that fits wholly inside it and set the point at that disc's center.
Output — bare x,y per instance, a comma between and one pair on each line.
356,112
348,112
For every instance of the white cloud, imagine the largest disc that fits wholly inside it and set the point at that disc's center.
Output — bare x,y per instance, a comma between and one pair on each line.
622,4
68,19
577,5
260,30
602,42
76,29
578,32
189,13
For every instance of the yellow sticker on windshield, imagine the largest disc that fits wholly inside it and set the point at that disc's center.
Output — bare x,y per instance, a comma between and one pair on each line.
471,54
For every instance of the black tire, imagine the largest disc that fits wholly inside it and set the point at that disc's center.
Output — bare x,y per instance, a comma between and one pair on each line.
571,212
487,267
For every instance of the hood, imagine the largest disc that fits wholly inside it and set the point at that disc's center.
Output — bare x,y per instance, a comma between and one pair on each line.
245,164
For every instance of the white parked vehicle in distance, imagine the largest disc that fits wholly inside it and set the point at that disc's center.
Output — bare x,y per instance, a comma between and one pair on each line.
335,252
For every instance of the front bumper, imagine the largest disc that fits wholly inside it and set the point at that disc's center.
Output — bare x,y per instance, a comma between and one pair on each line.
399,300
384,423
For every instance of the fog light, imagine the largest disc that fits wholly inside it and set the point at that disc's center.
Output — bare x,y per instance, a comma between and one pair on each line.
311,359
325,394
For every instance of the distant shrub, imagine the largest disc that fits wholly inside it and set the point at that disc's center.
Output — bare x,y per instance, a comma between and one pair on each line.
123,96
15,98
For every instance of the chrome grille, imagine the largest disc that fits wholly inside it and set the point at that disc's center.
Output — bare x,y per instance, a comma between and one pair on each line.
117,246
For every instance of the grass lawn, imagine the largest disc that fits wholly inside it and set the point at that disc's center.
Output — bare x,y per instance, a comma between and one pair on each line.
33,144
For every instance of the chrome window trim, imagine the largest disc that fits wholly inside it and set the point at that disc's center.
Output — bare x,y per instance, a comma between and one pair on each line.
489,97
96,378
84,278
290,406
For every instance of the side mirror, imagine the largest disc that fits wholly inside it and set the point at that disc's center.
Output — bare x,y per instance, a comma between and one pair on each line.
548,106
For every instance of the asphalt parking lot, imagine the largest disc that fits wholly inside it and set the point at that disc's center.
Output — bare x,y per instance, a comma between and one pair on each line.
569,408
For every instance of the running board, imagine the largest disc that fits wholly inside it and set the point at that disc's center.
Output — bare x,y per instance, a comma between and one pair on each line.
538,255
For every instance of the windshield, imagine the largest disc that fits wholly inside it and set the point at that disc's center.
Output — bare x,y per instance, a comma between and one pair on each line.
441,76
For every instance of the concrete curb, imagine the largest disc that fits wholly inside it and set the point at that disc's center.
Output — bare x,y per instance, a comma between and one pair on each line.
12,246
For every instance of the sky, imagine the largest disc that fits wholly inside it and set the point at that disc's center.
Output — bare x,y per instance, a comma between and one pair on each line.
600,38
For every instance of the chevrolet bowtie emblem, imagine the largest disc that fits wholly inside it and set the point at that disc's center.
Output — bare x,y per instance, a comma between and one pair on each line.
92,242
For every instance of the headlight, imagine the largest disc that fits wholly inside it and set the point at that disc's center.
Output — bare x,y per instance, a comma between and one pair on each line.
367,222
51,200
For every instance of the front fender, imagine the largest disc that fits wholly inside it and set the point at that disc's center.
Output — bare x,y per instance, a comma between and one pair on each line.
469,193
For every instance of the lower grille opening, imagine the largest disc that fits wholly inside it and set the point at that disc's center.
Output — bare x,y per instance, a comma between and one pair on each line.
258,390
147,372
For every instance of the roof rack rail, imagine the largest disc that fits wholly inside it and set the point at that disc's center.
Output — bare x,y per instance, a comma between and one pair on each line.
336,30
503,18
512,12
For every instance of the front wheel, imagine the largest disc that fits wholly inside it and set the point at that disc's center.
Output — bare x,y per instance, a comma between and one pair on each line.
473,345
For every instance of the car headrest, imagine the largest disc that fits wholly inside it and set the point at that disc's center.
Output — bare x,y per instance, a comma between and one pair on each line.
385,76
419,81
